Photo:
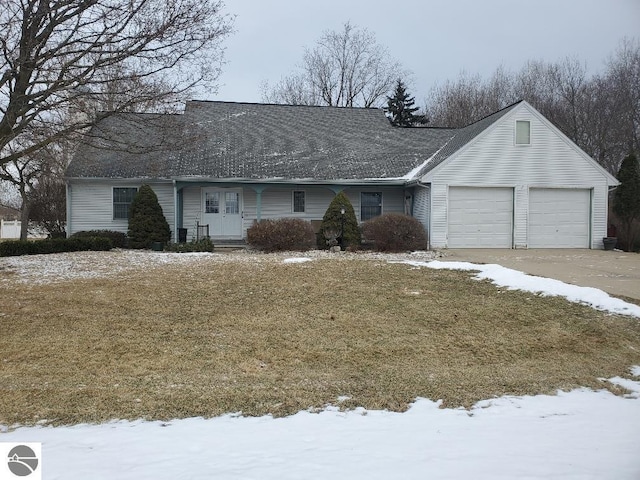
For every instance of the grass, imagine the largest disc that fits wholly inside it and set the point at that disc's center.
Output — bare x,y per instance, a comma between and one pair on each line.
269,337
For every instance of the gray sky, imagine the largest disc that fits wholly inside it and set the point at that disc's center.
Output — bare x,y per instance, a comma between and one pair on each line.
435,40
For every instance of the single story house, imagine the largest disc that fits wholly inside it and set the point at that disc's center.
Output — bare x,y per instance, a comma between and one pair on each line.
510,180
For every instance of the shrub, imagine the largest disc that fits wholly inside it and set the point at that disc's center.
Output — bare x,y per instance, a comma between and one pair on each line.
393,232
332,222
202,245
147,223
14,248
118,239
281,235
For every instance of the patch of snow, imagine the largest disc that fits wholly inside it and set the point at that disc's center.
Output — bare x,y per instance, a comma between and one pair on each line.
631,385
415,171
515,280
578,434
40,269
296,260
635,371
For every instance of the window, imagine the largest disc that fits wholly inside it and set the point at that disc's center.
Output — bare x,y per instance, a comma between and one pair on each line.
298,201
523,132
122,198
212,202
370,205
232,203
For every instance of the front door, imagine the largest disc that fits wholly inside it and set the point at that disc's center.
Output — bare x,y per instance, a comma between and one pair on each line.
222,211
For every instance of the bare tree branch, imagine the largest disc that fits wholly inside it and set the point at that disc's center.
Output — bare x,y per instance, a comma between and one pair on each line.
57,56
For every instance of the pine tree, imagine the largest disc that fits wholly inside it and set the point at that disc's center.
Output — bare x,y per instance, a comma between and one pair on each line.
400,108
334,221
626,201
147,223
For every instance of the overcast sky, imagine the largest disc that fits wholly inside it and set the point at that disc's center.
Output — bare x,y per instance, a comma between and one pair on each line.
435,40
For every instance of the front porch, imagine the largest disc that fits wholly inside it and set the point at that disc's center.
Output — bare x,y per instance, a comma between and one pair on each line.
229,209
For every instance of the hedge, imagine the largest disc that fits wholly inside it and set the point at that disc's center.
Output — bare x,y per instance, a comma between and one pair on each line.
14,248
202,245
119,239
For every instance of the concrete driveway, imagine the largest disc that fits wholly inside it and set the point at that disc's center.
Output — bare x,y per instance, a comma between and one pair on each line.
617,273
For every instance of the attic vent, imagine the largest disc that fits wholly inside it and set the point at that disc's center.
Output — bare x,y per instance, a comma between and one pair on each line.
523,132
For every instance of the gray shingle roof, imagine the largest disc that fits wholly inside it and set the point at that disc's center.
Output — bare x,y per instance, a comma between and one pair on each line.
224,140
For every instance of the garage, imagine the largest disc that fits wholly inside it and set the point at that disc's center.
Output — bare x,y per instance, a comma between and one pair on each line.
480,217
559,218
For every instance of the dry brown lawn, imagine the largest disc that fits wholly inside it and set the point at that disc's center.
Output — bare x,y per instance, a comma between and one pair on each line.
268,337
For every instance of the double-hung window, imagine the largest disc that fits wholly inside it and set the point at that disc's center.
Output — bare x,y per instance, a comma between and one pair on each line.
122,198
298,201
370,205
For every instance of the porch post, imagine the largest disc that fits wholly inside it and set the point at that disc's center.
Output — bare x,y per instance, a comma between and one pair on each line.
258,189
175,212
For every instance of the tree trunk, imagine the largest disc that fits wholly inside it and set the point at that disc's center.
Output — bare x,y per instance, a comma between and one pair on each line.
24,220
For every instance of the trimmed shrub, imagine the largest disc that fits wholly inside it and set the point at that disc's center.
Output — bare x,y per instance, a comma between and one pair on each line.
202,245
14,248
147,223
331,226
394,232
118,239
281,235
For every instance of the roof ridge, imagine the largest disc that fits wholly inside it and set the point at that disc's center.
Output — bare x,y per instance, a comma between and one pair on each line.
494,113
333,107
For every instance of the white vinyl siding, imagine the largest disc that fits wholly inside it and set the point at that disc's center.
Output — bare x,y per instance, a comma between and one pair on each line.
559,218
494,160
421,205
91,205
480,217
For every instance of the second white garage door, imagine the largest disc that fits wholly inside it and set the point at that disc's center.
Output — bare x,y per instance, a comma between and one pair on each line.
559,218
480,217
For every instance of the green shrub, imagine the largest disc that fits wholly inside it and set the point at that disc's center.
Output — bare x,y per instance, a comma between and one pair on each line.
147,223
118,239
202,245
281,235
333,221
394,232
14,248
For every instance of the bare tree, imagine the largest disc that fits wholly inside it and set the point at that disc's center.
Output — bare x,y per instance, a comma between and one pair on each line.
56,54
345,69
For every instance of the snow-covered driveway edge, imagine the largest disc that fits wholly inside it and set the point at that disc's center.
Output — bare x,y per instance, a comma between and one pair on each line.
516,280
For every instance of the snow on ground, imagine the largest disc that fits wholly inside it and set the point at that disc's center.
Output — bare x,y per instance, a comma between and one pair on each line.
581,434
515,280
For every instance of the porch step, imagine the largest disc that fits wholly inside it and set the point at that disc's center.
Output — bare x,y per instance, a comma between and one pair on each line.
230,244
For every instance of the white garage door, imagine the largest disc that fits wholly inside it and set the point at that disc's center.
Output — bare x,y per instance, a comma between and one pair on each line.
480,217
559,218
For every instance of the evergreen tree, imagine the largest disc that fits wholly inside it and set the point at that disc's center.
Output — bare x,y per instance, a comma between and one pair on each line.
333,222
626,202
400,108
147,223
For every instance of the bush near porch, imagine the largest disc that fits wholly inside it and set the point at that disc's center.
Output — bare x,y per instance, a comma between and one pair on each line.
284,234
